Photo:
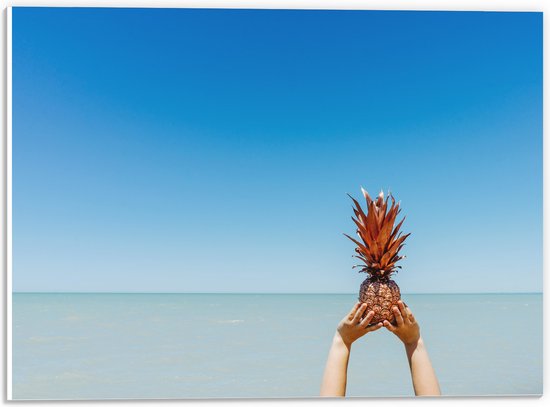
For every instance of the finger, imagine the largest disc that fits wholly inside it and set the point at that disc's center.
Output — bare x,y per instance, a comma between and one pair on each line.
359,313
403,312
389,326
411,317
366,321
407,309
353,311
375,327
409,314
398,316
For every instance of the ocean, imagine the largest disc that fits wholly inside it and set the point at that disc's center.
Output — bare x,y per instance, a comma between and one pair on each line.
176,346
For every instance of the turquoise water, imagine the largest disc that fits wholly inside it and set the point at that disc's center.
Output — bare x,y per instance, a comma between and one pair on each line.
96,346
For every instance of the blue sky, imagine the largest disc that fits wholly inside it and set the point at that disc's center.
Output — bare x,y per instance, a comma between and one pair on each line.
173,150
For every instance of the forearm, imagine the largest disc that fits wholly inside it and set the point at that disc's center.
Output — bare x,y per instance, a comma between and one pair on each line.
423,375
335,376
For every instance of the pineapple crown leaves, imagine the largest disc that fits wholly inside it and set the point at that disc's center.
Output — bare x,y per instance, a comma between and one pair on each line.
379,241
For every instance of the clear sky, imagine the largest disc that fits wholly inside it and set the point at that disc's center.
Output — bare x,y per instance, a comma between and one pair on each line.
172,150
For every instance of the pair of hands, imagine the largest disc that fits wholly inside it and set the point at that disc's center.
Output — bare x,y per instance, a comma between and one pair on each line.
355,324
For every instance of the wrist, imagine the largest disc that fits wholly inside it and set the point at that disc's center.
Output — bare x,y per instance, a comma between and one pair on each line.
339,341
413,344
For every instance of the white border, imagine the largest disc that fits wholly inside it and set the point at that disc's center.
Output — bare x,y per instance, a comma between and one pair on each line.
442,5
8,205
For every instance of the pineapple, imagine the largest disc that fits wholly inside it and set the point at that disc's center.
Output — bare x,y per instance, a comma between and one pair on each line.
378,249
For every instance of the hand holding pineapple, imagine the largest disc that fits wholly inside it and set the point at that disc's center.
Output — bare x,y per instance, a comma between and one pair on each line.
406,327
352,327
356,324
378,249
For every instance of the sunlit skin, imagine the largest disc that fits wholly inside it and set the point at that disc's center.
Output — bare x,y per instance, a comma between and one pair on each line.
406,328
350,328
355,325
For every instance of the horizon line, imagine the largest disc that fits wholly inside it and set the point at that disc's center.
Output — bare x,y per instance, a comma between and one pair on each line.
265,293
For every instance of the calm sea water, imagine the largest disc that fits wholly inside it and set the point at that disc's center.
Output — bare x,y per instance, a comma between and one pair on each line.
92,346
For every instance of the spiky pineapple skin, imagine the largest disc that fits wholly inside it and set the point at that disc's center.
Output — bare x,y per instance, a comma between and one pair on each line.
380,295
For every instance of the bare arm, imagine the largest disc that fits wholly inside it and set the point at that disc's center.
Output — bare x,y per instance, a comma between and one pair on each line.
423,375
335,377
351,328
